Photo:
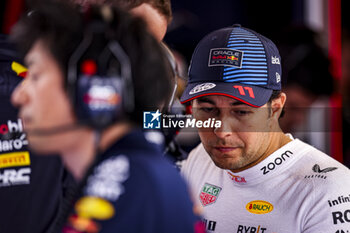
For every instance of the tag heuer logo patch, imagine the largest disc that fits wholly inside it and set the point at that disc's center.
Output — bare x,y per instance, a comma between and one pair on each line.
209,194
225,57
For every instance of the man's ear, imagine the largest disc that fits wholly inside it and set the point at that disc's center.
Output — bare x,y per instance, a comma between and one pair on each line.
277,105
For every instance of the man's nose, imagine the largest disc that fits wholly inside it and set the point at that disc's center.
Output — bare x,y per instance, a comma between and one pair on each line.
19,96
226,129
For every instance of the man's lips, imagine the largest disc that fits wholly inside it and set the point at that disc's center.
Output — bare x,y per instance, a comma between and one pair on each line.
225,149
25,120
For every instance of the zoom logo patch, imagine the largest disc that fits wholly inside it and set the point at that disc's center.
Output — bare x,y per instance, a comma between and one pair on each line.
278,161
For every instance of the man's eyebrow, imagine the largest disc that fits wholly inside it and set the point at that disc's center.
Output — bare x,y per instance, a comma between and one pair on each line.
207,100
238,103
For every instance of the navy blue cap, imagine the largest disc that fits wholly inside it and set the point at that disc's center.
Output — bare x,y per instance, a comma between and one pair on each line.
235,62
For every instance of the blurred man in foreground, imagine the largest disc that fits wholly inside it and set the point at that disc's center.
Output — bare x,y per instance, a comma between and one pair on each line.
88,84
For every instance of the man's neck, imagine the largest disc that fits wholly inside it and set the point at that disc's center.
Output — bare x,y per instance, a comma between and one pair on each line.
80,157
277,140
113,134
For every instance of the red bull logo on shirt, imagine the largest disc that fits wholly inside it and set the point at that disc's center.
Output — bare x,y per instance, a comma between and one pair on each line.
209,194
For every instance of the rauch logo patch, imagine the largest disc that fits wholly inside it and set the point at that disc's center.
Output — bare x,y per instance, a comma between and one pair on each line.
259,207
209,194
225,57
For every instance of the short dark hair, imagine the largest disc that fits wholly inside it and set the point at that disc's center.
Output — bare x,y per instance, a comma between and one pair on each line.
162,6
61,27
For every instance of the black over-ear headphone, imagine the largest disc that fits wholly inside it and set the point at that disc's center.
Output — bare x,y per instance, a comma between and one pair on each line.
101,88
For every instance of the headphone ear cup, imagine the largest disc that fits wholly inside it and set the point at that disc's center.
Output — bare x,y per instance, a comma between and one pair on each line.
99,100
101,90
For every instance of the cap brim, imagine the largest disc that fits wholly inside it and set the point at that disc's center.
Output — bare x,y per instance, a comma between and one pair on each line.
254,96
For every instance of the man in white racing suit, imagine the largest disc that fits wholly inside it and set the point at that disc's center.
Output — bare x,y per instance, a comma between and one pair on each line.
247,175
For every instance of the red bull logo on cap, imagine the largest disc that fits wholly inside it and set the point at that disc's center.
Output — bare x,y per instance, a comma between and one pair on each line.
225,57
233,58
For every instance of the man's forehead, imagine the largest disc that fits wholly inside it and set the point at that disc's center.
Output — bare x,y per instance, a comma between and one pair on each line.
217,99
32,55
37,53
